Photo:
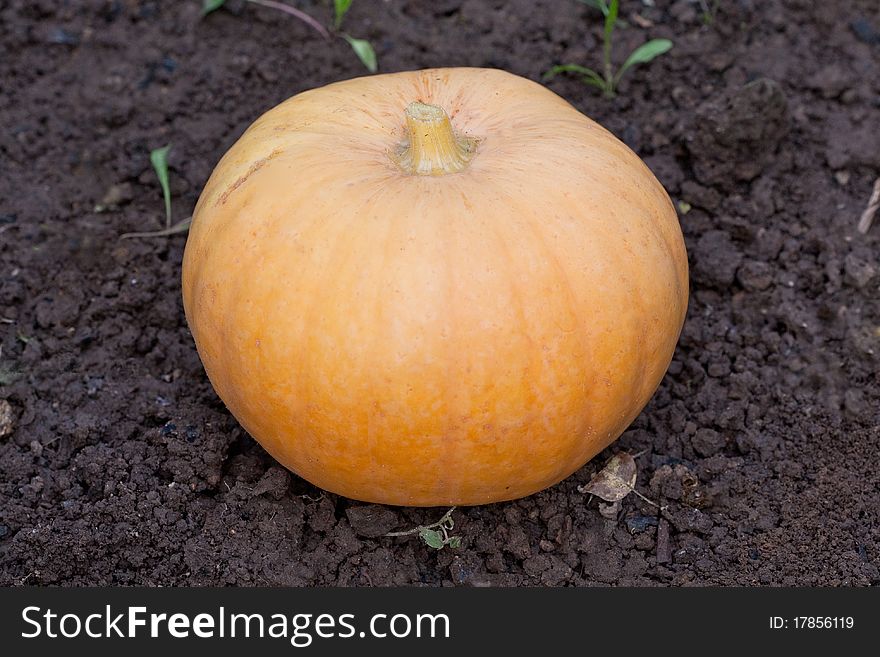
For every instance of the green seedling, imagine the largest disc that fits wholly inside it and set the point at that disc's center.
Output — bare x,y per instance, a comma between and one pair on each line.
159,160
608,80
364,50
436,535
361,47
340,8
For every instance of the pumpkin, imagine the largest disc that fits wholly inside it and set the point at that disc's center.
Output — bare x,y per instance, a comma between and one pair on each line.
439,287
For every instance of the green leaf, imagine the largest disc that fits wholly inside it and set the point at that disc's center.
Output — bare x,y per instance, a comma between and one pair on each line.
341,7
611,19
644,54
597,4
590,76
454,542
159,160
432,538
211,5
364,51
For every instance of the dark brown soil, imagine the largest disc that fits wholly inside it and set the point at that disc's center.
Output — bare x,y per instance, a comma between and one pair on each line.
122,466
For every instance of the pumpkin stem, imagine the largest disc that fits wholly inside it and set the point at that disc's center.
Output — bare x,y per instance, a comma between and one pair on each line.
433,149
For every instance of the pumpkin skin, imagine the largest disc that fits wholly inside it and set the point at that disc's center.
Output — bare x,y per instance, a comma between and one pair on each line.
429,340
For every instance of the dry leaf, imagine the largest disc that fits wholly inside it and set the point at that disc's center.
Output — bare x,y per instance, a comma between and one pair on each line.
615,481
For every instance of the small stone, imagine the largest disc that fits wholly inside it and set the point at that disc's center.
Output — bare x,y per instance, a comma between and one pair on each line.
640,523
371,520
842,177
7,418
754,275
859,272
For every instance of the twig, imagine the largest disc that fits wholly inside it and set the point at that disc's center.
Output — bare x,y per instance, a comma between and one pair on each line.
293,11
651,502
873,205
179,227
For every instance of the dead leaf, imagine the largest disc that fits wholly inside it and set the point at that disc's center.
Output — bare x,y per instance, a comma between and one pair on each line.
615,481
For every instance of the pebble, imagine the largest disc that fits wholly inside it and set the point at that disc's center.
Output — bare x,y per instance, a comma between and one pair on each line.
859,272
755,275
640,523
7,419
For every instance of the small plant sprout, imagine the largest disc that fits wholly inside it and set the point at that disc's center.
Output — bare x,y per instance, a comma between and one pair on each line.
436,535
361,47
608,80
340,8
159,160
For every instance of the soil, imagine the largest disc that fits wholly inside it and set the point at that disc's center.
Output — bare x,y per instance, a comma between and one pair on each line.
118,463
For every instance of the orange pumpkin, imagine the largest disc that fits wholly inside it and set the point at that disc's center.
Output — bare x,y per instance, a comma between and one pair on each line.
435,287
